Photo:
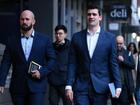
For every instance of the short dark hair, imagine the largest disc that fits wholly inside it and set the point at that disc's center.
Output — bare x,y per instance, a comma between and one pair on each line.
94,6
135,48
61,27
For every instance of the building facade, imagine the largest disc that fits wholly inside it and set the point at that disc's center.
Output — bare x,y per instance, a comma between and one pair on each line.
71,13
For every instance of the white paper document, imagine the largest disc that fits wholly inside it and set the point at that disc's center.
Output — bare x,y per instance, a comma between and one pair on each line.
112,89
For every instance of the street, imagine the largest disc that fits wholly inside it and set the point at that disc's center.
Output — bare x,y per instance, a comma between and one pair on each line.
6,100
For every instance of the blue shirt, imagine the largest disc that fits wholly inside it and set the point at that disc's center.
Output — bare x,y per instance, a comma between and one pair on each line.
26,43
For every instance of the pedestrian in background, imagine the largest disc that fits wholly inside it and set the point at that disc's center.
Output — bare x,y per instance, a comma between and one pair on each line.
57,79
133,50
27,88
126,65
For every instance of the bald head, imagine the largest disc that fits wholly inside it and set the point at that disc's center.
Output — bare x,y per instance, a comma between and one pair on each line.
120,38
27,12
120,41
27,20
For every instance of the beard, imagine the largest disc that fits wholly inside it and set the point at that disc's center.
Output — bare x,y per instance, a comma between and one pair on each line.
25,27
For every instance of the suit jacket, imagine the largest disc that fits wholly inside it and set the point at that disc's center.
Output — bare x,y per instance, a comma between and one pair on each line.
58,76
101,69
42,53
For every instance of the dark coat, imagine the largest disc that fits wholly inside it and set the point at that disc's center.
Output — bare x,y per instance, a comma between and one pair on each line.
128,65
58,76
42,53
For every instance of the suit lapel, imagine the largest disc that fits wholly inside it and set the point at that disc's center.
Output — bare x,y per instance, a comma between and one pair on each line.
20,49
99,41
84,42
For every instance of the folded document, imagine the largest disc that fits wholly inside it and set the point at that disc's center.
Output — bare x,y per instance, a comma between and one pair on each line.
112,89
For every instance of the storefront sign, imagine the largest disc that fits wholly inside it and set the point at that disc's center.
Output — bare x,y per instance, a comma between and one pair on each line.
119,12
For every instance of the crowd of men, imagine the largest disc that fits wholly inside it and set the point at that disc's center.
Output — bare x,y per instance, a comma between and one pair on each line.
78,71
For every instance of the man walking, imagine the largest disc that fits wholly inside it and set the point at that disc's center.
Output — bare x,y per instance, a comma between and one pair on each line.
27,88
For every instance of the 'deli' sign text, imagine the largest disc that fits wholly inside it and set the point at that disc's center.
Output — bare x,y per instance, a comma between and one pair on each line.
119,12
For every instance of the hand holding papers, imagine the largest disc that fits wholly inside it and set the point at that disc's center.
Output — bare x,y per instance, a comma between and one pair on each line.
34,69
33,66
114,92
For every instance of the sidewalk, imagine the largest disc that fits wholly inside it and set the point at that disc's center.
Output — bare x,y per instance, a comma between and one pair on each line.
5,98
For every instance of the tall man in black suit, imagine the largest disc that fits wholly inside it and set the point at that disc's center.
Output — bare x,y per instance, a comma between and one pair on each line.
92,60
126,65
27,88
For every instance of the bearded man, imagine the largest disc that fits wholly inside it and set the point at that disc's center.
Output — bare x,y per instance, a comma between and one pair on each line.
27,88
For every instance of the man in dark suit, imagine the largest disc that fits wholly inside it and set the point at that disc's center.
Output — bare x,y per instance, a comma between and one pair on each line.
92,63
27,88
126,65
57,78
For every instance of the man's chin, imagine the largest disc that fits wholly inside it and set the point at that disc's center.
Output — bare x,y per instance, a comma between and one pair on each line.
26,29
92,24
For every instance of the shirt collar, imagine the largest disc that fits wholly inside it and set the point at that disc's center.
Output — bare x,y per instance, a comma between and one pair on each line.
63,42
32,35
91,33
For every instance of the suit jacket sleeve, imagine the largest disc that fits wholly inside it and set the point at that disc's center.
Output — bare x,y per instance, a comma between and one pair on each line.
5,66
114,65
71,64
50,58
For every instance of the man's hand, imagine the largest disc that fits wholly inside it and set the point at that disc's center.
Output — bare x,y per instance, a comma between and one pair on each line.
1,89
69,94
35,74
120,58
118,92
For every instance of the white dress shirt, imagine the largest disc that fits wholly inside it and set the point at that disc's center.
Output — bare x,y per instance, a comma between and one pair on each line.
92,39
26,43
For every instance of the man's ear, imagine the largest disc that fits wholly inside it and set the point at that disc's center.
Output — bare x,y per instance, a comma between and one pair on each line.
100,18
34,21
